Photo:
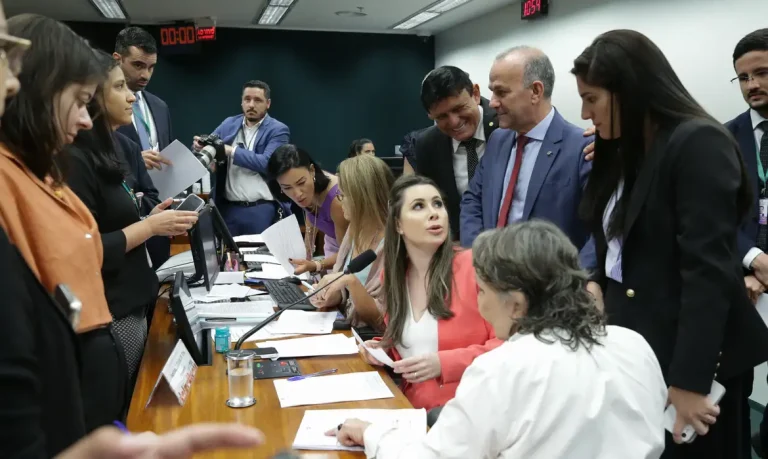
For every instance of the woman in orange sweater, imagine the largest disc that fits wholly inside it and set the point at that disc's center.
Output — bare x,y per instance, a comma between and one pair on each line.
433,327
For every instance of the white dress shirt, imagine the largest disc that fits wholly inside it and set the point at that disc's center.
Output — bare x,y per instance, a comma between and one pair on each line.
243,184
533,400
147,114
530,153
460,168
756,120
419,338
613,254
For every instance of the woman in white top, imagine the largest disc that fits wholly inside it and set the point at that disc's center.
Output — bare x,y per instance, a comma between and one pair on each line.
563,385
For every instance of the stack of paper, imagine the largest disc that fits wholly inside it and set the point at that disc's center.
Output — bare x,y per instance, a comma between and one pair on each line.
314,346
230,291
249,239
348,387
306,323
311,433
261,258
229,277
271,271
244,310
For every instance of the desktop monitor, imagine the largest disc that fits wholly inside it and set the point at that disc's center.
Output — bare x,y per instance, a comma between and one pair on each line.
395,164
225,240
202,239
188,324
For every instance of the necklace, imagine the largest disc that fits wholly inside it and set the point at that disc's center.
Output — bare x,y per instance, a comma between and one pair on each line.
310,233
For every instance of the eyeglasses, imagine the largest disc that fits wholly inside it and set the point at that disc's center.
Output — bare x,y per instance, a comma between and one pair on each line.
760,75
12,49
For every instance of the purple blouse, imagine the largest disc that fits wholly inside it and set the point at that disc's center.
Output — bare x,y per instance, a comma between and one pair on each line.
324,222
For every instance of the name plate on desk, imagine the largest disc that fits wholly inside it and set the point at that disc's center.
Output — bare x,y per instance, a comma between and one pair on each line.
178,373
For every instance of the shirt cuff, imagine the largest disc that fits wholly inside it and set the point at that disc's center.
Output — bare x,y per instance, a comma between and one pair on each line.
373,435
750,257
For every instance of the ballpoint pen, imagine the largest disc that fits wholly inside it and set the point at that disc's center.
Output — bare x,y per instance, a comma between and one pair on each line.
319,373
121,426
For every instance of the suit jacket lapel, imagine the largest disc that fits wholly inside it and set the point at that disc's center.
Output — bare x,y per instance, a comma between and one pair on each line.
262,130
498,172
548,152
490,120
644,180
745,136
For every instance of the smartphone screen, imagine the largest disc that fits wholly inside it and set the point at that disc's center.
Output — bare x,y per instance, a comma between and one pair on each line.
191,203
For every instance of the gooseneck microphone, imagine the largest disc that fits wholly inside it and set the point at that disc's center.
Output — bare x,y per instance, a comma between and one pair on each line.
355,265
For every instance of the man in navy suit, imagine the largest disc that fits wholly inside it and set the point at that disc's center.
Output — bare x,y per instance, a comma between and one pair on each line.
151,129
533,165
750,60
242,192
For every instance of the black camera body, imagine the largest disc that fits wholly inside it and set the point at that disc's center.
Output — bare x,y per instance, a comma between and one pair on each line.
212,151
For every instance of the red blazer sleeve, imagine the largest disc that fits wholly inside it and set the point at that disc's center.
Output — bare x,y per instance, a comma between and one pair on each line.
467,332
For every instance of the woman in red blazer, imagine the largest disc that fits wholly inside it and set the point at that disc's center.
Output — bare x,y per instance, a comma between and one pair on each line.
433,327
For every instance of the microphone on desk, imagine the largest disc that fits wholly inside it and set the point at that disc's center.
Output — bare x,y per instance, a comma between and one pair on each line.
356,265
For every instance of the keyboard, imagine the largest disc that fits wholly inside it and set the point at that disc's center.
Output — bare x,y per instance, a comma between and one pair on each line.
285,293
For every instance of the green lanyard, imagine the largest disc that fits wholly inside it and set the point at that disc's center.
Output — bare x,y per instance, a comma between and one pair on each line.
761,172
133,196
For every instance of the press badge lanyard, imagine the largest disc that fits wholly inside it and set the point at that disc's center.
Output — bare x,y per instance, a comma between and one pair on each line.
143,120
248,143
762,214
133,197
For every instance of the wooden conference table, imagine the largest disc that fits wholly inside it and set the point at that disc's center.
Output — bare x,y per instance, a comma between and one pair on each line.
210,390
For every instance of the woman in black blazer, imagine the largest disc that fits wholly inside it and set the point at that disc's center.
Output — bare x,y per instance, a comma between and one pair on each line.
100,178
665,198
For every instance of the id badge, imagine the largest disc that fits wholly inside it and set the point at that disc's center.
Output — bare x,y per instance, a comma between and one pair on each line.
762,215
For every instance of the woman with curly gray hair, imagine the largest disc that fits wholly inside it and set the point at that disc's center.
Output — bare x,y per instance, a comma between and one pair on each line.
563,385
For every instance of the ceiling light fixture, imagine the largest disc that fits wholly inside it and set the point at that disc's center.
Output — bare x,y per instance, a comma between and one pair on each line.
427,14
352,14
110,9
274,12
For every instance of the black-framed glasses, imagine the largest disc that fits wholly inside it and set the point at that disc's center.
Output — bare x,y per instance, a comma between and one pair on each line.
760,75
12,51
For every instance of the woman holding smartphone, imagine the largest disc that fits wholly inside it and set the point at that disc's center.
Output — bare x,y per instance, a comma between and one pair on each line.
99,176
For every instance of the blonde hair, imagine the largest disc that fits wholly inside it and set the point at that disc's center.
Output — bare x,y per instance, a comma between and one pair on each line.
365,182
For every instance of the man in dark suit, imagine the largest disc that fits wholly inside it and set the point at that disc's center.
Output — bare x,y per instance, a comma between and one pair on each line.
750,60
151,129
449,152
242,192
533,166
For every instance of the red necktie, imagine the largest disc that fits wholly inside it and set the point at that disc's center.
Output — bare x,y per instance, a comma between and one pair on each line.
506,204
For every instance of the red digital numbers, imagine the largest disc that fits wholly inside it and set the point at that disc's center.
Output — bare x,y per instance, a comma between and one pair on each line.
183,35
206,33
531,7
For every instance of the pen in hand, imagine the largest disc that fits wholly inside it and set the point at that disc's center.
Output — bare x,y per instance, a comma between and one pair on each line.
121,426
319,373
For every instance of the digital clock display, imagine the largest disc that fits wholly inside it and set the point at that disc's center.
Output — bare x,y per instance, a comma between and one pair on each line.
534,8
178,35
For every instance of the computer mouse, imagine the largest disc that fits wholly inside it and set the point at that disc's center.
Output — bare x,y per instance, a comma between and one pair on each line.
291,280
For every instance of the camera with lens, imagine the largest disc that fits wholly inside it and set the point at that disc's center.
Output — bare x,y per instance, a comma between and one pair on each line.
212,151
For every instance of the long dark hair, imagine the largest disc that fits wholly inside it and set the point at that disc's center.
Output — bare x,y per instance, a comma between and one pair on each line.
639,77
57,58
357,146
289,156
439,275
99,141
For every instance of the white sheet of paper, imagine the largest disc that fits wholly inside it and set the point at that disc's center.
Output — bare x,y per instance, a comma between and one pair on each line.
305,322
314,346
273,272
377,353
230,277
314,425
235,332
200,295
186,170
260,258
762,307
350,387
249,238
246,310
284,241
229,291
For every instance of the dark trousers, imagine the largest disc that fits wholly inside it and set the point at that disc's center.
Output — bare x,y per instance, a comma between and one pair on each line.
104,379
252,219
729,437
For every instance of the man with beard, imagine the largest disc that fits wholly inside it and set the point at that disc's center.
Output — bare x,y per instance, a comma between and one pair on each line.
750,60
241,191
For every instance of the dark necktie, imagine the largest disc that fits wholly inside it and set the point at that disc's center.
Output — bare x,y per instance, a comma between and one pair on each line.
471,147
762,230
506,204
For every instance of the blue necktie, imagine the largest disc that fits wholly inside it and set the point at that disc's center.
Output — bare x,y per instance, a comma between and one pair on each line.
141,123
